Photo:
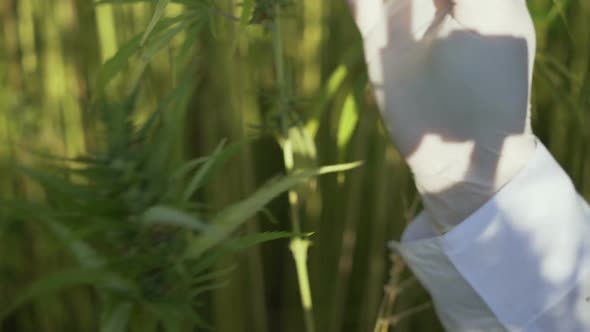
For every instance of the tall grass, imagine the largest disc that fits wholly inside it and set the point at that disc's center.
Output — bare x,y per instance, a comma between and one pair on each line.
79,80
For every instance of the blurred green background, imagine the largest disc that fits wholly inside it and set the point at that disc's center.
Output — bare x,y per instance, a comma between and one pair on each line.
284,84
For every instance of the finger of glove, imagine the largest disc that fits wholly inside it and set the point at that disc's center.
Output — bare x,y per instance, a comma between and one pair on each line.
499,17
367,13
395,24
400,16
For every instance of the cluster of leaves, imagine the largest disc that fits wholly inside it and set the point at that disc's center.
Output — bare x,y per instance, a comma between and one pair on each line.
126,212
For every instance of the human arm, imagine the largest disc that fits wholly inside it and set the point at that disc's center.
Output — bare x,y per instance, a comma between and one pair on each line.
504,241
453,83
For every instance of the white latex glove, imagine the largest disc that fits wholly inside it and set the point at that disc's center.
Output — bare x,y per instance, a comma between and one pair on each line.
452,79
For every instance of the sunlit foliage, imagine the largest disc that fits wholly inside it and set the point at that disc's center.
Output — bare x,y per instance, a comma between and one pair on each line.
128,128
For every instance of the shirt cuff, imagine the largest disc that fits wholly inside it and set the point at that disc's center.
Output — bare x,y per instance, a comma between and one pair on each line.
521,258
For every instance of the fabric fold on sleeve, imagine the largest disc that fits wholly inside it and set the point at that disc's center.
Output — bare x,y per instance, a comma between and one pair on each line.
522,259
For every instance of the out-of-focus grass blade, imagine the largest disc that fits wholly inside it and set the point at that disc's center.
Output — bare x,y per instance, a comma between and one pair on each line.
273,220
158,13
585,94
161,40
176,311
214,163
58,281
207,288
165,215
550,74
558,10
157,42
184,55
187,167
56,184
196,181
212,275
557,67
348,121
247,7
117,2
235,215
118,62
172,324
84,253
335,82
117,320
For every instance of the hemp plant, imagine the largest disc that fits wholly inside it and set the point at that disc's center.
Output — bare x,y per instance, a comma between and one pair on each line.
126,212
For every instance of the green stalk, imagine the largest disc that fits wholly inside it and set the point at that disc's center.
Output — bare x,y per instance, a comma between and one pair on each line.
105,25
26,33
298,246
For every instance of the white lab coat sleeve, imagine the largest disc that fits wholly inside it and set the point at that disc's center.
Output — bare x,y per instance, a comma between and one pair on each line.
519,263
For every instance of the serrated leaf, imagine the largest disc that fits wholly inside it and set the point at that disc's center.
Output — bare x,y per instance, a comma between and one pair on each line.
235,215
250,240
158,13
236,245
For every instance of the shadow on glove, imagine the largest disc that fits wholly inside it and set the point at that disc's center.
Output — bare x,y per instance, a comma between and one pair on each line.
455,99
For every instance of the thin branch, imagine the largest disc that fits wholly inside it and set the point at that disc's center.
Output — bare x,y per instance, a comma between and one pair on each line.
407,313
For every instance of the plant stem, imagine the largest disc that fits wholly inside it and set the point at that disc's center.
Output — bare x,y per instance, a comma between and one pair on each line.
298,246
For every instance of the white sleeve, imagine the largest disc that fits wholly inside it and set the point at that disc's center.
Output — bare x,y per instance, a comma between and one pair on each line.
519,263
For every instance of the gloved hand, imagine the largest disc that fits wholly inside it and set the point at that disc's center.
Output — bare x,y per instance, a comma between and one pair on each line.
452,79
